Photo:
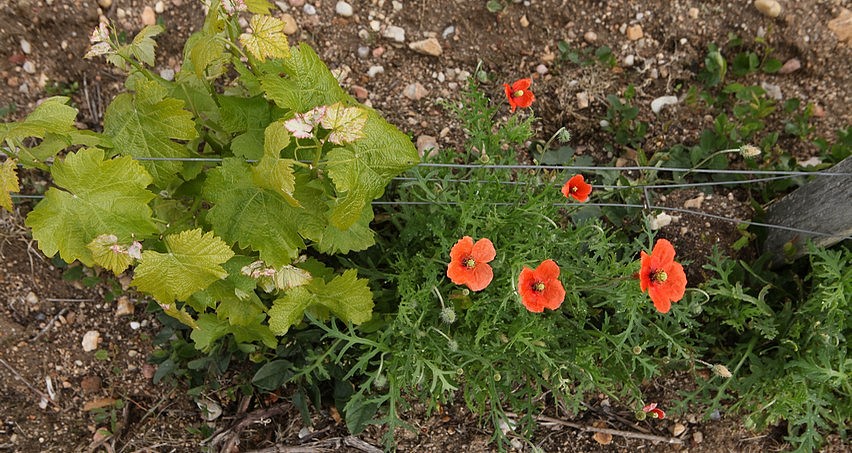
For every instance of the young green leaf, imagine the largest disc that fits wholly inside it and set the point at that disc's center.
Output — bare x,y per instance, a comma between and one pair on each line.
258,6
287,311
361,173
347,296
143,44
145,124
308,84
272,172
53,120
248,118
345,123
109,254
268,39
8,183
192,263
104,196
252,216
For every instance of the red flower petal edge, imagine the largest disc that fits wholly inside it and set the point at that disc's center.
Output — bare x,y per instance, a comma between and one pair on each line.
661,276
468,263
519,94
577,188
541,288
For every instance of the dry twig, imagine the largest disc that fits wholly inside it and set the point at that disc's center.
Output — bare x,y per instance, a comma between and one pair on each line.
615,432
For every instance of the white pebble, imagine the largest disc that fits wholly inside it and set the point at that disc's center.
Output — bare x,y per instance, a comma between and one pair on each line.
397,6
90,340
662,101
309,9
344,9
629,60
541,69
168,74
363,52
135,325
395,33
448,31
375,70
159,8
29,67
26,47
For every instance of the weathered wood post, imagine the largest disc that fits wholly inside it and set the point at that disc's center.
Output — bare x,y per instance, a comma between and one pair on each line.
823,205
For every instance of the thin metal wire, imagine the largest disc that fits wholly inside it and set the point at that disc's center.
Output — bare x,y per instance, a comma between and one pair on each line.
602,186
636,168
628,205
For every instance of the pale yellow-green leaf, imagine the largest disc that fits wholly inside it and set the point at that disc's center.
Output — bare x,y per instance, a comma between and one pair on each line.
291,277
288,310
268,39
192,263
8,183
345,123
109,254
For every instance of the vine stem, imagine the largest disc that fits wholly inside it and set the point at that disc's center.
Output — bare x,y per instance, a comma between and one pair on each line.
615,432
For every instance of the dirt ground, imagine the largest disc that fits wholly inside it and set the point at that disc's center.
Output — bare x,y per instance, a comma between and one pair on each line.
44,318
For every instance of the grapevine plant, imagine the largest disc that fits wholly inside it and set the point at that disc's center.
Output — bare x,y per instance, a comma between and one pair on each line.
225,192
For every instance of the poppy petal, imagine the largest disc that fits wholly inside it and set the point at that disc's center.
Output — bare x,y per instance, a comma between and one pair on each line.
462,248
547,270
663,251
661,301
483,251
480,277
521,84
645,272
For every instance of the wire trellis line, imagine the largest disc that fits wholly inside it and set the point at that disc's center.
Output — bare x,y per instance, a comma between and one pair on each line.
612,205
546,167
603,186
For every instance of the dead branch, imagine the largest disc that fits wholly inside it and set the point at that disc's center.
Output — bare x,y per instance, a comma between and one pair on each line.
614,432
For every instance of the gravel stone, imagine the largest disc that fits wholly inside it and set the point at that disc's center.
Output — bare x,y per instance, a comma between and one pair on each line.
26,47
590,36
290,25
662,101
428,46
415,91
149,17
634,32
344,9
395,33
769,8
309,9
29,67
90,340
375,70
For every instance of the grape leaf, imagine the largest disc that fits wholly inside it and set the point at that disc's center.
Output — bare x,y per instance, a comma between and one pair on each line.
267,40
345,123
144,124
347,296
252,216
357,237
143,44
208,329
272,172
287,311
192,263
109,254
8,183
258,6
248,117
308,84
102,197
52,119
206,51
361,171
328,238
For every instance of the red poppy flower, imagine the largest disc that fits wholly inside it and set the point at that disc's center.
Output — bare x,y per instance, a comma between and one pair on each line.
541,288
519,93
468,263
577,188
654,411
661,276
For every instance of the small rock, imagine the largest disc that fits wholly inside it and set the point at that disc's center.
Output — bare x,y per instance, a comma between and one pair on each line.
90,384
812,162
395,33
149,17
698,437
120,13
26,47
359,92
634,32
124,306
629,60
344,9
790,66
415,91
31,298
296,3
693,13
590,36
541,69
428,46
819,112
148,371
135,325
29,67
159,7
660,220
773,91
105,3
842,26
427,143
770,8
375,25
448,31
210,410
90,340
284,7
378,52
524,21
678,429
397,6
363,52
662,101
290,26
168,74
375,70
694,203
309,9
582,100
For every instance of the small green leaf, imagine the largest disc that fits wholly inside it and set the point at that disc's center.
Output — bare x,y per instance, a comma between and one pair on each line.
267,40
347,296
273,375
52,121
145,125
252,216
192,263
288,311
206,51
104,196
107,253
208,329
308,83
258,6
8,183
345,123
143,44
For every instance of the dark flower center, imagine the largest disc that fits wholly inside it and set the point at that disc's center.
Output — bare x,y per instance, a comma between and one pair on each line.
659,276
469,262
538,287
